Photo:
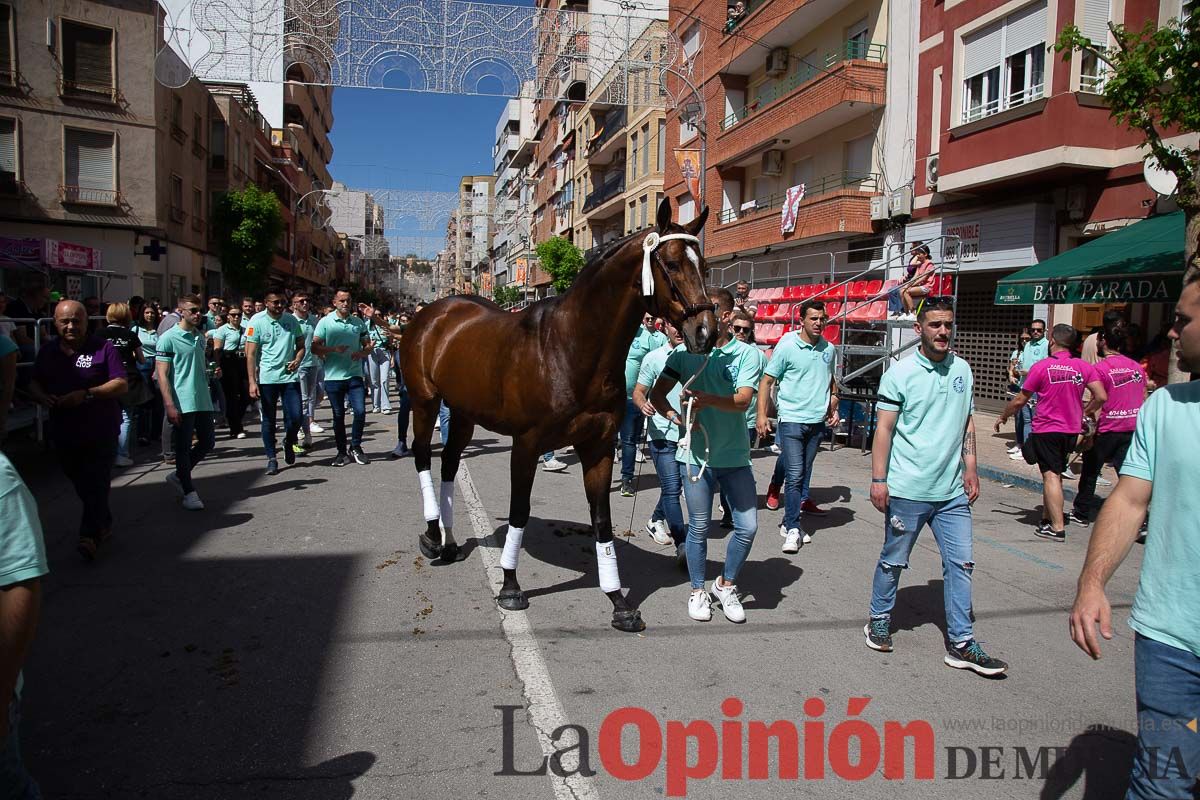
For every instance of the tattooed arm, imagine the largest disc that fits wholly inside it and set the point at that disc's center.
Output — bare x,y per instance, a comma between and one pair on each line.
970,463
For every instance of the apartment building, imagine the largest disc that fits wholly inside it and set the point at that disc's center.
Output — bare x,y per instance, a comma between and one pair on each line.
511,155
792,95
1018,158
622,153
472,235
102,169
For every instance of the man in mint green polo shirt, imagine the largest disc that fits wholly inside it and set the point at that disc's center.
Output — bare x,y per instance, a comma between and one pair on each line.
309,366
666,525
923,472
1037,348
718,455
22,566
341,339
274,350
645,341
1159,476
183,380
803,364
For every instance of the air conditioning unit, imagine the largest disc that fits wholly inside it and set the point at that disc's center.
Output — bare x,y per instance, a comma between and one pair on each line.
901,202
772,162
879,208
777,61
931,172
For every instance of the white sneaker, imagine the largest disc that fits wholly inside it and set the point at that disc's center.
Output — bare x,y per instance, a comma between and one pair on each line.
791,541
315,428
640,457
191,501
1017,456
437,424
727,596
659,531
806,538
1068,475
700,606
783,531
1103,482
553,465
123,461
173,479
389,411
241,435
774,448
1016,448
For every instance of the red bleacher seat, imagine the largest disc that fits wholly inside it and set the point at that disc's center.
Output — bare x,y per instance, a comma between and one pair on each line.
833,334
874,288
792,293
857,290
764,311
764,333
774,294
856,311
946,285
756,294
832,309
784,313
877,311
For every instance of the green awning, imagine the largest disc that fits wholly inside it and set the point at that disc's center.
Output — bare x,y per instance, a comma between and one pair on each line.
1142,262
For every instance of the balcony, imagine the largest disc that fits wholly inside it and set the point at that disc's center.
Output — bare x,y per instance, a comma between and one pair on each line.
177,214
178,133
612,185
91,92
198,224
599,148
804,74
86,196
10,186
1018,98
837,182
199,150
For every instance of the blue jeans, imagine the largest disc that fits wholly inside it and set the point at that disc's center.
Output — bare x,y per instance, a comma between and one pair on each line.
444,422
895,304
951,524
188,455
15,781
662,453
737,484
405,409
1025,419
270,395
379,367
631,434
1168,697
339,392
799,442
128,421
308,392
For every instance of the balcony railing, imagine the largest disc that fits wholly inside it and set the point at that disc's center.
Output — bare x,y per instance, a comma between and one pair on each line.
82,90
199,150
10,186
178,133
177,214
607,190
1017,98
851,50
613,123
868,182
82,195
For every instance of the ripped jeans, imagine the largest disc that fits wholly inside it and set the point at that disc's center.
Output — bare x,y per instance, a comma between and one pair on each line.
950,521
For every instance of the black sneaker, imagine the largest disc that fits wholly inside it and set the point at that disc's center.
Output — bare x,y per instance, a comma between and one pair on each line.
1141,537
359,456
289,452
1046,532
339,460
879,635
272,467
627,487
1075,518
969,655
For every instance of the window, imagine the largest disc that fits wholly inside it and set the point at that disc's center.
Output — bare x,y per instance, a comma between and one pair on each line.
691,40
661,146
687,128
216,144
764,188
87,61
198,129
802,172
858,39
1096,14
646,149
1009,53
858,158
8,64
687,208
177,111
237,149
90,167
642,212
197,208
176,198
633,162
632,215
8,154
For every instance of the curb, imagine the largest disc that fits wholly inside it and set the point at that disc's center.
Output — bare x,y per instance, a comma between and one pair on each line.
1020,481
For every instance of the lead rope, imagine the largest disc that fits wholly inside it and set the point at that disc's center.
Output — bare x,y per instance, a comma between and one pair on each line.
689,424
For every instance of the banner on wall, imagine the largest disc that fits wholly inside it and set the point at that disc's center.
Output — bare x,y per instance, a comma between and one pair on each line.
791,209
64,255
689,165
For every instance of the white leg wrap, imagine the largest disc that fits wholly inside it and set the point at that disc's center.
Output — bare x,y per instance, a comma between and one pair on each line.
606,563
512,548
447,504
428,496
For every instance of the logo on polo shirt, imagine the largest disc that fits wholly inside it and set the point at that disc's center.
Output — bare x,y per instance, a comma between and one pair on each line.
959,384
84,361
827,356
250,331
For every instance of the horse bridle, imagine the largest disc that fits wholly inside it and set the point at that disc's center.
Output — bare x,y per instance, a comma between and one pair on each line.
650,247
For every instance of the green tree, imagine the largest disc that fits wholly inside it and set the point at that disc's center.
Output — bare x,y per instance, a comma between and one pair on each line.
506,294
247,225
561,260
1152,84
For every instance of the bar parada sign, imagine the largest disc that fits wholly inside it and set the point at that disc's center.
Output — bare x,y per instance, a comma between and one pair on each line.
1154,289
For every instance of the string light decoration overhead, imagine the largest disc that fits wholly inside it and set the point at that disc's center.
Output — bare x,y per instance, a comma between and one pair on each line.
441,46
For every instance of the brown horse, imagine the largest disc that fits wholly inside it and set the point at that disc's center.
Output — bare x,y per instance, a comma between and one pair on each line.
550,376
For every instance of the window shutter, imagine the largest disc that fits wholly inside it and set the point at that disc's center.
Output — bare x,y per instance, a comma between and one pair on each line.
90,160
87,54
981,50
8,146
1025,29
6,59
1095,21
858,158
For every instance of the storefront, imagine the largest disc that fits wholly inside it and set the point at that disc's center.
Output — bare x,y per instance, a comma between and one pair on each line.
73,270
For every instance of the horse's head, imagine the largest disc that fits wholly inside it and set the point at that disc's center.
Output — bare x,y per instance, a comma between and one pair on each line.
673,279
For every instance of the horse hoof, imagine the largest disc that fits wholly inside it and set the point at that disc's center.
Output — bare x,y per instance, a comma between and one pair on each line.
629,621
512,600
429,548
450,553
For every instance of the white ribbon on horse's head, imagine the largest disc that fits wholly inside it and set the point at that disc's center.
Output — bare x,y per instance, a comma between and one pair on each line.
650,244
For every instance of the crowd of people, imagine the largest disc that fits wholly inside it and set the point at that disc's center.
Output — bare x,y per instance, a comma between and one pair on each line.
702,414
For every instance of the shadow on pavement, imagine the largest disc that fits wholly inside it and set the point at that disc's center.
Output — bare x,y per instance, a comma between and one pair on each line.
164,671
918,605
1102,757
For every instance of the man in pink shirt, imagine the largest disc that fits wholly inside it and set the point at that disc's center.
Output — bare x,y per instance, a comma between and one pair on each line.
1125,383
1058,382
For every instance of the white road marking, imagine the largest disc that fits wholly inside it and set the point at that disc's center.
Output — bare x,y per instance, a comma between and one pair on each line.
545,712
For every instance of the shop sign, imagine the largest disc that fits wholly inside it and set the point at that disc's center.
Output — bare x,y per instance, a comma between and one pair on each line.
967,243
64,255
23,251
1152,289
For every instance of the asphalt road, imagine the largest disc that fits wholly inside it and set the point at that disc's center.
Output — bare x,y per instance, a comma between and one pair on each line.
291,642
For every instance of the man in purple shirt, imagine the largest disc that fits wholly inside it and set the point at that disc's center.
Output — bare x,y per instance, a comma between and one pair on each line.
79,378
1058,381
1125,383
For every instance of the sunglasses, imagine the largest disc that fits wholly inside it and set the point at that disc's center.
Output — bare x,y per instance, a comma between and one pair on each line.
1037,330
742,329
